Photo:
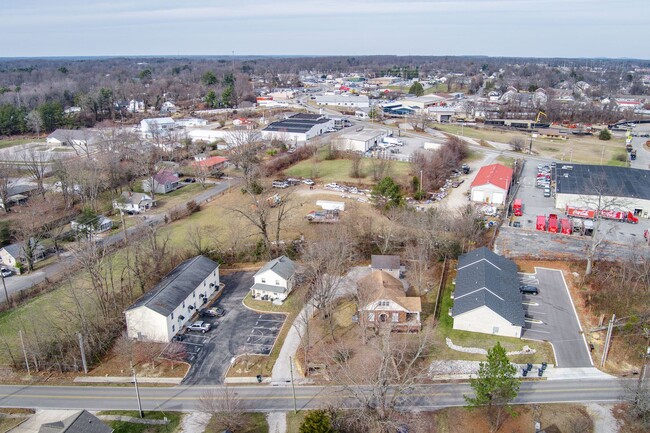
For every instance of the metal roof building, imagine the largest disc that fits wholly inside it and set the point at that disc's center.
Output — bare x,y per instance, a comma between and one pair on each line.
298,128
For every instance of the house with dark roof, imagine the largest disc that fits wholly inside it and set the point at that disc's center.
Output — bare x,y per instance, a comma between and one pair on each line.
163,311
491,184
383,302
13,254
388,264
80,422
617,188
163,182
275,280
298,128
487,297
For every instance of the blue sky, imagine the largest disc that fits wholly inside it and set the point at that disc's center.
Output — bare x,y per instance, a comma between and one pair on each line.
545,28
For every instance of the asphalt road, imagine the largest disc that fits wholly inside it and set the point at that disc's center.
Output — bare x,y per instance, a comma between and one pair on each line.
559,323
269,398
240,331
642,155
17,283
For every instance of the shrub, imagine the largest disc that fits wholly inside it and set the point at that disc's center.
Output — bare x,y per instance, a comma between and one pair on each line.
605,134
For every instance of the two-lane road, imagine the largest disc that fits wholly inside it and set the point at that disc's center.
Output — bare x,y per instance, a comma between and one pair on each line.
264,398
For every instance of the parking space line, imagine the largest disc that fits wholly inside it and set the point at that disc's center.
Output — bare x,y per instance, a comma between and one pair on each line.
535,330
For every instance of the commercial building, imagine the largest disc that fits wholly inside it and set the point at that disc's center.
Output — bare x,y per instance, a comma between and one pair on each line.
491,184
359,141
360,101
298,128
163,311
594,186
487,297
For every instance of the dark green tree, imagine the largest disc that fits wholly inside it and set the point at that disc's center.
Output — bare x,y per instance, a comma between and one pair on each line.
387,194
605,134
51,115
208,78
146,75
416,89
63,70
316,421
12,119
227,96
229,80
211,99
495,386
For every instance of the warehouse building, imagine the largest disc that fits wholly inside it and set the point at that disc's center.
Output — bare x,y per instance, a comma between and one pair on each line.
491,184
360,141
582,186
298,128
360,101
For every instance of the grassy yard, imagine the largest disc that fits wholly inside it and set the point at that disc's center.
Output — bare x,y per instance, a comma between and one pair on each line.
17,141
544,352
579,149
174,419
256,423
506,160
338,170
294,420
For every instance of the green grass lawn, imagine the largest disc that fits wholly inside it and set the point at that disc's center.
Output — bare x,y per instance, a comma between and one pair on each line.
339,170
256,423
544,351
174,419
294,420
15,142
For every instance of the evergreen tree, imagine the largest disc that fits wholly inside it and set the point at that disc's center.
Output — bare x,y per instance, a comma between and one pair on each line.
316,421
387,194
495,386
605,134
416,89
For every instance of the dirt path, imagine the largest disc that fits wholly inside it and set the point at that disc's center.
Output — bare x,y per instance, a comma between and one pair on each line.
604,421
277,422
194,422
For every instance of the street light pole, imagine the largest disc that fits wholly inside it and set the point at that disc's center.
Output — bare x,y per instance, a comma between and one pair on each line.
5,287
137,394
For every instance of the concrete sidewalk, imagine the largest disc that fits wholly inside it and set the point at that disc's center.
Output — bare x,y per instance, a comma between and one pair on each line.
33,424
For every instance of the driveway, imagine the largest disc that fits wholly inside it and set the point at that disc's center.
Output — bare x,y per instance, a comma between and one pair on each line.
239,331
551,316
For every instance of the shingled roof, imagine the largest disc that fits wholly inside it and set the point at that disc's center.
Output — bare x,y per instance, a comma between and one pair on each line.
381,285
282,266
80,422
488,279
176,285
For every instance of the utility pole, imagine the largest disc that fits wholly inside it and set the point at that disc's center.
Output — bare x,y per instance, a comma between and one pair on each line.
5,287
137,394
22,342
608,338
83,352
293,386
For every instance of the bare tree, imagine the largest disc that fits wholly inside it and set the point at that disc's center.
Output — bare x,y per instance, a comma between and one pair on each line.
243,149
226,408
175,352
35,122
7,181
36,164
380,381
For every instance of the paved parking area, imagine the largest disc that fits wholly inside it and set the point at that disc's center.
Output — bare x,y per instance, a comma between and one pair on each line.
239,331
551,316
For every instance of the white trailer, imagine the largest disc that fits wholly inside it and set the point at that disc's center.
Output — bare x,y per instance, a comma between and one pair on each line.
393,141
331,205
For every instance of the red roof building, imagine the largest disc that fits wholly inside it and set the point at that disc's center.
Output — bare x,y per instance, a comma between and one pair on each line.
491,184
212,162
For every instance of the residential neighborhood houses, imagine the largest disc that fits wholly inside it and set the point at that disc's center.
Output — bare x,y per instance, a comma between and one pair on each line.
133,202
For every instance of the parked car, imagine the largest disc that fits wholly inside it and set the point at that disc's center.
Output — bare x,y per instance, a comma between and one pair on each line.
6,272
199,326
547,192
178,337
208,312
308,182
220,311
529,290
280,184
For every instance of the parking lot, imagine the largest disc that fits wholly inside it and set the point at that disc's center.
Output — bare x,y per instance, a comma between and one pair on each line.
551,316
240,331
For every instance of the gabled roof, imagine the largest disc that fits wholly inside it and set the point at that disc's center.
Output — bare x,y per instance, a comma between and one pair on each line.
488,279
269,288
384,262
164,177
282,266
135,197
210,162
80,422
64,135
159,120
380,285
176,285
495,174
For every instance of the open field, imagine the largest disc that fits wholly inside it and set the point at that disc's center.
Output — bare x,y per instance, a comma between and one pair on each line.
4,143
338,170
579,149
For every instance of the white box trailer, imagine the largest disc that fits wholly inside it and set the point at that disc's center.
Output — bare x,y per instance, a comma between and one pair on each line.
432,146
393,141
331,205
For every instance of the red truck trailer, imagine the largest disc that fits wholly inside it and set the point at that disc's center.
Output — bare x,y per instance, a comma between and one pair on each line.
576,212
552,223
541,223
517,208
619,215
565,224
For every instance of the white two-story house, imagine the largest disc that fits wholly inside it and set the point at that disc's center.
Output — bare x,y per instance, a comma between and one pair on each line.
275,280
163,311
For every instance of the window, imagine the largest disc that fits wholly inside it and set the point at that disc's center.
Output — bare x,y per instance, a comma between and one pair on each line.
173,328
277,282
371,317
383,303
194,294
495,330
172,315
395,317
263,280
183,304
